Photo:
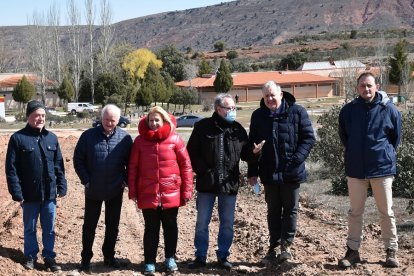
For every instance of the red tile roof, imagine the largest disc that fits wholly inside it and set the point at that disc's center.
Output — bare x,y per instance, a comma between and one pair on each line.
257,79
11,80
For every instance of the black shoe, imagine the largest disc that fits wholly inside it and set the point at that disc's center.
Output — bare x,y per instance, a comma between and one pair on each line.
85,266
112,262
50,263
351,257
29,264
197,263
271,255
225,264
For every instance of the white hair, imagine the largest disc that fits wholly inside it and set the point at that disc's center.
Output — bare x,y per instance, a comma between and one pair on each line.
271,86
111,108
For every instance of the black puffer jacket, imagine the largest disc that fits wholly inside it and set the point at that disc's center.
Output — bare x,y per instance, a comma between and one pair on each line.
289,139
215,148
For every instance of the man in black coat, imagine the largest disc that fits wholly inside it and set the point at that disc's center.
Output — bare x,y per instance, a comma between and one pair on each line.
36,177
289,136
215,147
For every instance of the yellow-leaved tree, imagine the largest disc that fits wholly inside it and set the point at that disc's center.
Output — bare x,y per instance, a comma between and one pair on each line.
136,63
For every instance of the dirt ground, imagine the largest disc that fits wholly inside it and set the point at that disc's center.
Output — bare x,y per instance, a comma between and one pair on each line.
319,243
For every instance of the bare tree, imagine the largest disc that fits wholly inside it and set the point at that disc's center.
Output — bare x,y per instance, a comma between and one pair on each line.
4,58
40,51
407,84
381,60
90,19
107,35
190,72
53,18
349,74
75,36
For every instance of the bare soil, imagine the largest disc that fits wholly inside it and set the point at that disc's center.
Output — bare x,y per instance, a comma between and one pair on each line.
320,239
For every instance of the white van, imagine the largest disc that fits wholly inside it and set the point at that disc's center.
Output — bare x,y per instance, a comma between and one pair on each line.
74,108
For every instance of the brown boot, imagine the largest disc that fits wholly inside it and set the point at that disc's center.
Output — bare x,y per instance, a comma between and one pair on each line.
391,260
351,257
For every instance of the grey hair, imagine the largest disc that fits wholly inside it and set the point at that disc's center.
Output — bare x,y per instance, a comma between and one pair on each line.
271,86
218,100
111,107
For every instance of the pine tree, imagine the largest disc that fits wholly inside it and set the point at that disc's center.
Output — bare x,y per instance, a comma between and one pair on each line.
153,84
66,90
224,80
204,67
398,63
24,91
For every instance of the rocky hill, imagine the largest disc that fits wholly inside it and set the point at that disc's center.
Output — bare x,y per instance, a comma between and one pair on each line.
242,23
264,22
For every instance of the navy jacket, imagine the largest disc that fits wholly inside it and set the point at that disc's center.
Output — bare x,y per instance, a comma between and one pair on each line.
215,148
289,139
370,133
34,166
101,162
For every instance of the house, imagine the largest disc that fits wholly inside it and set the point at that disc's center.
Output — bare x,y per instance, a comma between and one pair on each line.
247,85
8,82
344,71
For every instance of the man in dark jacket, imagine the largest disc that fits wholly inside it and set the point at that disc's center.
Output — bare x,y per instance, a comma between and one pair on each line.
100,160
36,177
216,146
370,130
289,136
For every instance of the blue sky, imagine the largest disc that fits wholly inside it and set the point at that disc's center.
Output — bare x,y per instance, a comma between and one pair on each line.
17,12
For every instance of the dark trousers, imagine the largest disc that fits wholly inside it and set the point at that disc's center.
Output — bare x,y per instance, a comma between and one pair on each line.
91,218
153,218
282,208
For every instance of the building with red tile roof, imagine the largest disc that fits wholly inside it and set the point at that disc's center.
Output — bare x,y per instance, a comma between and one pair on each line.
8,82
247,85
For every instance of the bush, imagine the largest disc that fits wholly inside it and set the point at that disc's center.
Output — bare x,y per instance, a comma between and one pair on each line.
232,54
20,117
329,150
84,115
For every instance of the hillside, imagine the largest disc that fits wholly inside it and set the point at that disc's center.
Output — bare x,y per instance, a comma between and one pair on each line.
264,23
245,24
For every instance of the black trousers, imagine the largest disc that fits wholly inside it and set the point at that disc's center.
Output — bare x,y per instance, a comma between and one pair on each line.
91,218
282,209
153,219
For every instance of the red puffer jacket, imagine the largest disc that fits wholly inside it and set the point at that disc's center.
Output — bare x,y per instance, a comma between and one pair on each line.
159,170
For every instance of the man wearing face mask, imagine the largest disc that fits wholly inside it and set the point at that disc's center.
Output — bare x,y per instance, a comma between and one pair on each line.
215,147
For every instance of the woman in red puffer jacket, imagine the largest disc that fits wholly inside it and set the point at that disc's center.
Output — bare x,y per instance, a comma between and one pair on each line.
160,179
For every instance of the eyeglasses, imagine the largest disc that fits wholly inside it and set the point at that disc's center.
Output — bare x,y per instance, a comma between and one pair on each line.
228,108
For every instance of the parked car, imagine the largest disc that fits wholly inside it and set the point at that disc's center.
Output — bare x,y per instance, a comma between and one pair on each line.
123,122
74,108
188,120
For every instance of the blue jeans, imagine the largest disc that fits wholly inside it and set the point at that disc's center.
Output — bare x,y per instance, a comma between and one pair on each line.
47,212
226,207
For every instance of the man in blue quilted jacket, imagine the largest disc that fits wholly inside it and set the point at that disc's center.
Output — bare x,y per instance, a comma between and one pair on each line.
370,130
289,136
36,178
100,160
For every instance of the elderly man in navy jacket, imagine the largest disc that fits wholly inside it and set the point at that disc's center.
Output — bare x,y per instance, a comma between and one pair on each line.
370,129
100,160
35,178
289,136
